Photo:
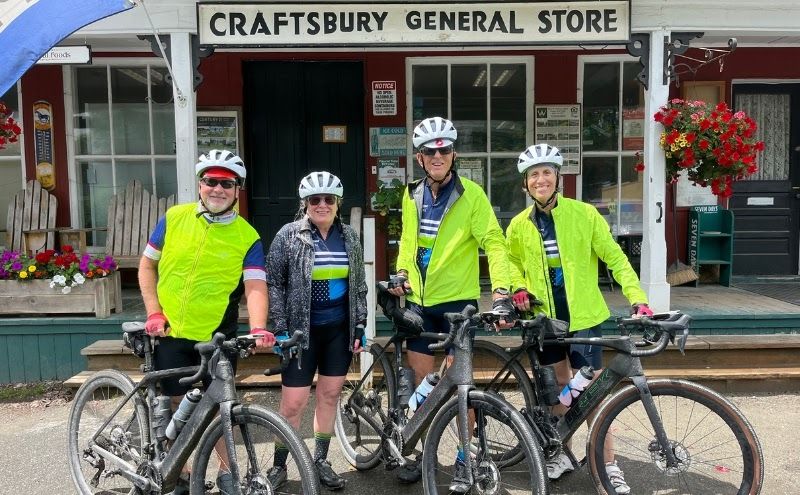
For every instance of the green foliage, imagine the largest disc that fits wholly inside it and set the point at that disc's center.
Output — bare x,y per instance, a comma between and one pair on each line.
387,203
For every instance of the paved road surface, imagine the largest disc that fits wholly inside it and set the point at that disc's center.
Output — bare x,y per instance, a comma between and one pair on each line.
33,459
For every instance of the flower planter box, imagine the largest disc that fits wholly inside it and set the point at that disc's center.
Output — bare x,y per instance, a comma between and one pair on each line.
98,296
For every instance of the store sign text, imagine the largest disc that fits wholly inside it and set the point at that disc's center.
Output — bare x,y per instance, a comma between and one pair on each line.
260,24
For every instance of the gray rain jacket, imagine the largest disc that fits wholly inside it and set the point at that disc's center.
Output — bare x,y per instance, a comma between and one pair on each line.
289,264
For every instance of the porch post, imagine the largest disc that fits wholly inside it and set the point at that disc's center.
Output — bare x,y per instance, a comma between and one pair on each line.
654,247
185,115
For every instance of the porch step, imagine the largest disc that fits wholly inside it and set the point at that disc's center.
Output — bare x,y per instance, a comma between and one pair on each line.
772,362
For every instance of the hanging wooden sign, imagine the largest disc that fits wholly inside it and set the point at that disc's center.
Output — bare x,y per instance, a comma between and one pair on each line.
43,144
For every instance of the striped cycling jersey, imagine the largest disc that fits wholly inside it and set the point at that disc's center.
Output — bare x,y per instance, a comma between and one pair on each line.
547,228
329,277
432,213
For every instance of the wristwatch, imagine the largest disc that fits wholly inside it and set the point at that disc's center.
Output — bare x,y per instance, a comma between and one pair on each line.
502,291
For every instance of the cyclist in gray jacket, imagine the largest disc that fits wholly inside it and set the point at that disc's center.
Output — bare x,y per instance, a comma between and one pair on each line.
315,275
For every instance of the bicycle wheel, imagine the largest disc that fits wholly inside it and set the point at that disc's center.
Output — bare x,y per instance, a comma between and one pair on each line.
255,431
125,436
495,420
361,443
717,450
495,371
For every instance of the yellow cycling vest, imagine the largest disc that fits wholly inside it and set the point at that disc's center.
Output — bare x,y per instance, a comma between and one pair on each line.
200,266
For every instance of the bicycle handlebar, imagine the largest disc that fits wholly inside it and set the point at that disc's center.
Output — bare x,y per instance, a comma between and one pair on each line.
206,350
280,347
667,326
466,316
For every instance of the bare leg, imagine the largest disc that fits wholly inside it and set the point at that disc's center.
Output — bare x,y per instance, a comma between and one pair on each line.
327,394
422,364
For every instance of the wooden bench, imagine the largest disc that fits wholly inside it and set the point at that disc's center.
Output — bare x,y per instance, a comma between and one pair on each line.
132,216
31,219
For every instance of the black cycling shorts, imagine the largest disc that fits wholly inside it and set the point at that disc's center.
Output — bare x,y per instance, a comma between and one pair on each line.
433,320
177,353
329,351
579,355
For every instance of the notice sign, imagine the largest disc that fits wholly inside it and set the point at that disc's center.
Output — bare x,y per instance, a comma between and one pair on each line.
243,24
384,98
560,126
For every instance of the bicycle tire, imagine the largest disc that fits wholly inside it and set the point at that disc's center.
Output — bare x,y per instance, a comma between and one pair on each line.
717,447
495,419
512,384
358,441
255,430
94,402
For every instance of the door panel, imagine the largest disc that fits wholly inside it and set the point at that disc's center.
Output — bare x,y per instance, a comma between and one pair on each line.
286,106
766,216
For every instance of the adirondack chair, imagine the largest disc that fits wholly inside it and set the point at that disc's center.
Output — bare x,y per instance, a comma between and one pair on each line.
32,219
132,216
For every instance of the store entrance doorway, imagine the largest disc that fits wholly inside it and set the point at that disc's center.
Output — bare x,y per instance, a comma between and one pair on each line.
765,207
301,117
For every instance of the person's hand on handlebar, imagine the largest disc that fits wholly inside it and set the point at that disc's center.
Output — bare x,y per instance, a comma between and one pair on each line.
503,303
524,300
641,309
157,325
266,341
398,284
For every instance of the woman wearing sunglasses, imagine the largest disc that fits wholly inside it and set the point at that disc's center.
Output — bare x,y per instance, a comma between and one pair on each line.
315,274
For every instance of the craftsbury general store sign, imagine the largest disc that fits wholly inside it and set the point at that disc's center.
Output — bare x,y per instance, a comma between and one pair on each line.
238,24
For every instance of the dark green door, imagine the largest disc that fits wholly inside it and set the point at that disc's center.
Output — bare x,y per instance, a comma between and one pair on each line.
286,107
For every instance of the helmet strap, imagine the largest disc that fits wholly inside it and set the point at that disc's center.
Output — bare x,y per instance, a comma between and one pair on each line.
446,176
552,197
211,214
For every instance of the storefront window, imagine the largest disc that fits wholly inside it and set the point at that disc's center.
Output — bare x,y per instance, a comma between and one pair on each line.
613,131
11,171
489,105
124,128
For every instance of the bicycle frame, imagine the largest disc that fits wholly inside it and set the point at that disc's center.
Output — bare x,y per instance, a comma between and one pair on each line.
219,396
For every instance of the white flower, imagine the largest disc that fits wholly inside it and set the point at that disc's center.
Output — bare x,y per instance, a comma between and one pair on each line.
66,290
52,284
78,278
60,280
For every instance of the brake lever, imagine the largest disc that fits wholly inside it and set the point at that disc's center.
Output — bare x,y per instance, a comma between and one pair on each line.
682,340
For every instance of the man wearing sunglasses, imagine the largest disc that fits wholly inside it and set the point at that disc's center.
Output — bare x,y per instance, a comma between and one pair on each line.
446,219
200,258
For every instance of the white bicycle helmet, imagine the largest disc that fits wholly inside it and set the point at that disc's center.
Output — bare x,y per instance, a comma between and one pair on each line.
221,158
320,183
434,132
539,154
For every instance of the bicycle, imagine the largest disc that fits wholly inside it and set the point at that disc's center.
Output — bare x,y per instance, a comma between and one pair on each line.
117,429
669,435
373,426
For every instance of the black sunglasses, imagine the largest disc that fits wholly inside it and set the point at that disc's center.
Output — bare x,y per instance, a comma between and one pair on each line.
432,151
225,183
315,200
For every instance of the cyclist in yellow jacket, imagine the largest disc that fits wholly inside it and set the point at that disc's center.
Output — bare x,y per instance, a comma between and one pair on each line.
199,260
446,219
554,246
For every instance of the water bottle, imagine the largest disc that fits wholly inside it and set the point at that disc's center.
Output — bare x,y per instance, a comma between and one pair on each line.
576,385
181,415
422,391
162,414
405,385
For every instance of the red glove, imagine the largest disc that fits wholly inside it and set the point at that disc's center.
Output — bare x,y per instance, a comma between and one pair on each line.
268,339
156,325
640,310
521,298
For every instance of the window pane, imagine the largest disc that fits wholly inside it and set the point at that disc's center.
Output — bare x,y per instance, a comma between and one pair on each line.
473,169
507,195
128,170
92,136
429,88
632,108
96,180
129,108
468,102
163,112
600,186
166,178
10,184
601,106
631,216
508,107
11,102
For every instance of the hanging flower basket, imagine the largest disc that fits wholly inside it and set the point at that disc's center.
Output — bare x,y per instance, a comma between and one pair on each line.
712,144
9,129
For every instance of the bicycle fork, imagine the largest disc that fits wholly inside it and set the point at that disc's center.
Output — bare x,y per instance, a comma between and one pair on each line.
640,382
230,448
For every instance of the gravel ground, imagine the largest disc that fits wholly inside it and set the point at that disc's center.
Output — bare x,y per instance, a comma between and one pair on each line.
33,439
